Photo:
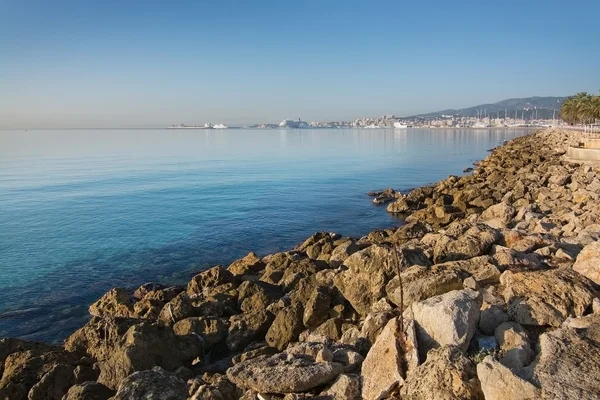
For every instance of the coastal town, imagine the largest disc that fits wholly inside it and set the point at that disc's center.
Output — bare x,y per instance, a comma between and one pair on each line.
393,122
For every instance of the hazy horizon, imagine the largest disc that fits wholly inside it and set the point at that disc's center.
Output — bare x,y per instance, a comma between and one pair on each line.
110,64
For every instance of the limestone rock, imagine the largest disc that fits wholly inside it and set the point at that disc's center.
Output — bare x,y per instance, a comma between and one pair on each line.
368,272
567,364
283,373
316,310
500,383
152,384
212,330
212,277
114,303
419,283
515,344
286,327
89,391
254,296
345,387
54,384
447,319
447,374
246,328
546,297
250,264
461,244
383,370
588,262
342,251
498,215
492,315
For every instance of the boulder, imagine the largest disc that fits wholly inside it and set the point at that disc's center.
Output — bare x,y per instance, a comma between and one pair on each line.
114,303
212,277
99,337
54,384
498,215
369,270
546,297
283,373
249,265
152,384
345,387
144,346
447,319
420,283
491,316
588,262
342,251
385,367
461,242
247,328
567,363
24,370
212,330
316,310
286,327
447,374
515,345
89,391
500,383
253,296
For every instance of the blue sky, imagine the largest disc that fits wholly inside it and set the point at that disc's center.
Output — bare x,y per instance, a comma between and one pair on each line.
153,63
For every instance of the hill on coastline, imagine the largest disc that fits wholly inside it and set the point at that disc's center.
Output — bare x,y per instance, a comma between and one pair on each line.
525,107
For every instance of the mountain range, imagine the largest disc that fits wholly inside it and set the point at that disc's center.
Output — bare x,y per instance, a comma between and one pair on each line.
524,107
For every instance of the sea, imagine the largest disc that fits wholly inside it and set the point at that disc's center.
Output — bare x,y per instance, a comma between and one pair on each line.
83,211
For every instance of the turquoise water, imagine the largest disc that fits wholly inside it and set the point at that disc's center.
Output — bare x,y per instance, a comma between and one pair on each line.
82,211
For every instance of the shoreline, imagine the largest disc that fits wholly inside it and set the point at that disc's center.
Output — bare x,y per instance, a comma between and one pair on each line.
320,319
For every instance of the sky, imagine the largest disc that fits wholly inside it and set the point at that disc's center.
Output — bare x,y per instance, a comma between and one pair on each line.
105,63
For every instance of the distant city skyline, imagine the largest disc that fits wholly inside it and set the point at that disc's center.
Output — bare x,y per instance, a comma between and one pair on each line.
69,64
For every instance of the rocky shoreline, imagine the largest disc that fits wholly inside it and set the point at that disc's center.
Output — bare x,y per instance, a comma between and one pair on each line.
490,291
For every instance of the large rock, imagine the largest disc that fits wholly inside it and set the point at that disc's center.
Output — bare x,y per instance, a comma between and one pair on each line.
370,269
420,283
283,373
25,369
144,346
385,367
54,384
246,328
212,277
498,215
212,330
316,310
286,327
99,337
463,241
152,384
500,383
567,364
114,303
254,296
447,319
345,387
588,262
251,264
515,345
447,374
546,297
89,391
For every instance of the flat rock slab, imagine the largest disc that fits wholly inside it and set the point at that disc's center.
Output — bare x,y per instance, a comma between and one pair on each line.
283,373
543,298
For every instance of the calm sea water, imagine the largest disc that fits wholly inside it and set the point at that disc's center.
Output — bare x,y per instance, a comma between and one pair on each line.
82,211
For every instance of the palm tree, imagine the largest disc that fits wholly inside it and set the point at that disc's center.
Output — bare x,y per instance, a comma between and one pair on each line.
583,108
